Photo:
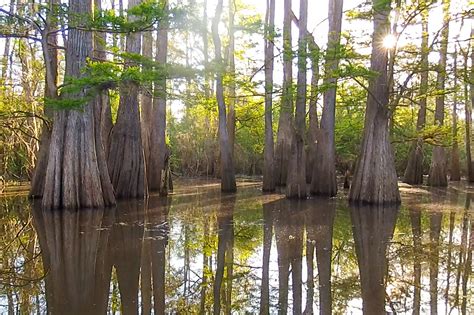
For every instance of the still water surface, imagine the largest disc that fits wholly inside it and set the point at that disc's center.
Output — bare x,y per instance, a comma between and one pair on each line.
198,251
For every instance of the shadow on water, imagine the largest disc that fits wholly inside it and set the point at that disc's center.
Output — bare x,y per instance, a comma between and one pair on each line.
200,252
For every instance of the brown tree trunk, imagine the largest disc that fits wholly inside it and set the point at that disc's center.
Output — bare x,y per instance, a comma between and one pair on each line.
126,157
415,218
6,49
158,150
375,178
283,145
227,164
268,152
324,172
76,176
313,127
437,175
296,178
455,168
146,106
435,230
414,170
232,77
50,56
468,107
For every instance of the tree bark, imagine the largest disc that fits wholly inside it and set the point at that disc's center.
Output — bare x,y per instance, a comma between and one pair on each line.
126,157
232,77
468,107
324,177
283,145
313,127
158,149
268,165
437,175
76,175
227,164
375,178
146,105
455,168
414,170
50,55
296,178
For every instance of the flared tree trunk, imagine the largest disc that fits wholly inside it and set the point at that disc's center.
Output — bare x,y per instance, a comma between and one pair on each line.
375,178
324,172
414,170
50,56
455,168
268,165
76,175
227,163
126,158
283,145
437,175
158,150
296,178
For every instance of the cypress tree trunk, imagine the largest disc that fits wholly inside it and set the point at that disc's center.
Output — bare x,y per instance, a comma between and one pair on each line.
468,108
227,164
437,176
375,178
414,170
146,105
126,157
158,149
296,178
50,56
268,166
283,144
232,77
76,175
100,39
313,127
455,168
324,177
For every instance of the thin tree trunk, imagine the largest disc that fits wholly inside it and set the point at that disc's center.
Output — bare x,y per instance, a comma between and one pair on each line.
435,229
6,49
455,168
76,176
227,164
232,76
268,165
468,107
375,178
437,175
324,177
147,106
414,170
283,145
313,127
296,178
126,157
415,217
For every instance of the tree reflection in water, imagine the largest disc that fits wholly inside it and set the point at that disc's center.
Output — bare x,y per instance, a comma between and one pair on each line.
373,229
205,253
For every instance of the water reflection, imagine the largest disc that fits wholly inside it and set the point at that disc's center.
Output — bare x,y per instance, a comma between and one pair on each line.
200,252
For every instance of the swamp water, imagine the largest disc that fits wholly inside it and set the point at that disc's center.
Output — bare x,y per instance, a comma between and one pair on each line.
198,251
